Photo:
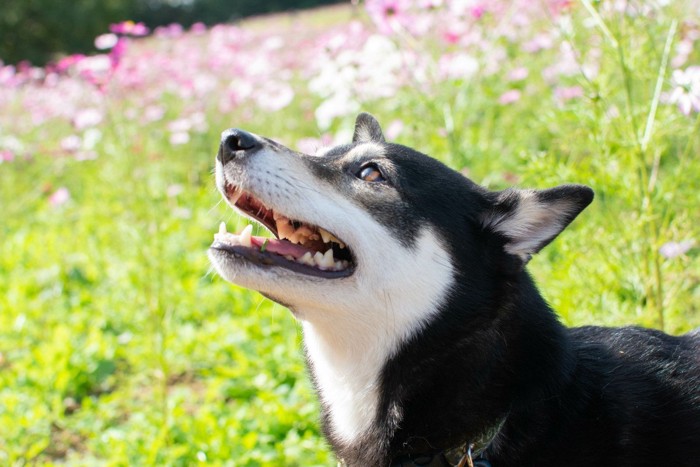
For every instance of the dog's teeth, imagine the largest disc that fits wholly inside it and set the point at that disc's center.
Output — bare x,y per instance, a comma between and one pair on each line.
307,259
302,234
284,229
336,240
278,217
305,229
236,195
325,235
328,237
327,261
318,258
225,237
314,236
245,236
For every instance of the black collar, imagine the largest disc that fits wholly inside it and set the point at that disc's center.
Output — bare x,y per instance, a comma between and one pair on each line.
467,455
456,457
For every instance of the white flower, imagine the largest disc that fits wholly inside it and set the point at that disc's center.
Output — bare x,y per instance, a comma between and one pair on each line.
686,92
106,41
457,66
374,71
274,96
86,118
71,143
180,137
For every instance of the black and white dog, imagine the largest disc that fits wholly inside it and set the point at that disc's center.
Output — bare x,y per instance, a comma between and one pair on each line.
427,340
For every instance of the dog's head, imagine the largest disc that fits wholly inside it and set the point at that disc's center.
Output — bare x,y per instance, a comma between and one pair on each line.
373,228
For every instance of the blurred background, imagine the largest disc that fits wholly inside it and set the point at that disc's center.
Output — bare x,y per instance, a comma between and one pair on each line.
40,30
119,345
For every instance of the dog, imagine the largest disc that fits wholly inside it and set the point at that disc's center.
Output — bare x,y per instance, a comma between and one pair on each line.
427,341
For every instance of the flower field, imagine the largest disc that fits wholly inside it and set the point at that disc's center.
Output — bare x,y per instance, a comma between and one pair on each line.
119,345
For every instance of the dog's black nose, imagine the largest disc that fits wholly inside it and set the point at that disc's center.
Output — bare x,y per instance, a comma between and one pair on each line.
236,142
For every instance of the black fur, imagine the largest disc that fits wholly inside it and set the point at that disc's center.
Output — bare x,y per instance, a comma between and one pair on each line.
496,352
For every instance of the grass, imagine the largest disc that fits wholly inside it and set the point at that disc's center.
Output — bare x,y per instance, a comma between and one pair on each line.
119,346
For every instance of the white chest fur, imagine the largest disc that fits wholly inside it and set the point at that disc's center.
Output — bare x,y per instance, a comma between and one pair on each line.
349,346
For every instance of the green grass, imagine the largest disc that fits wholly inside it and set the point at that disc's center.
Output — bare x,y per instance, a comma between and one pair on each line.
119,346
118,343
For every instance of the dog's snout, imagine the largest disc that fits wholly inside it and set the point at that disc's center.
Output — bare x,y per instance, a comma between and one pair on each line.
236,142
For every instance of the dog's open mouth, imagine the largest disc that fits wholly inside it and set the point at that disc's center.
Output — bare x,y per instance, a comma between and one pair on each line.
297,246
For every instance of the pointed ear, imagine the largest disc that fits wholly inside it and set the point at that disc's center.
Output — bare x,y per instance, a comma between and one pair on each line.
367,130
530,219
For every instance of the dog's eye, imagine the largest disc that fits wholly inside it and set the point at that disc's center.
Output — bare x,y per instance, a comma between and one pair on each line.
370,173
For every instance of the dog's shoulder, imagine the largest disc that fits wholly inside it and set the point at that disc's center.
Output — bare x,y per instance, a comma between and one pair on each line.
647,357
644,382
637,345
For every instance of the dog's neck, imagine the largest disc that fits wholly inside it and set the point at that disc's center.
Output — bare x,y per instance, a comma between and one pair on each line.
362,381
348,343
346,371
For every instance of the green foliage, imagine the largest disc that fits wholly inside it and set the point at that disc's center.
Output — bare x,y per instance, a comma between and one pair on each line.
117,343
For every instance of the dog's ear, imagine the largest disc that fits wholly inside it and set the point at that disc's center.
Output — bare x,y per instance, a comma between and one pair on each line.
530,219
367,130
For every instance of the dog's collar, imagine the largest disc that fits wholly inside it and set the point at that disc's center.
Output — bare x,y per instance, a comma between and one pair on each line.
457,457
467,455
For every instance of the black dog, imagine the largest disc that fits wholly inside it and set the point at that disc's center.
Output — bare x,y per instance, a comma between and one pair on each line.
426,338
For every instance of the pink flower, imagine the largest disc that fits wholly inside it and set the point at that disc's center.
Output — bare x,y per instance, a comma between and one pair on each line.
394,129
129,28
170,31
430,4
452,36
95,69
198,28
563,94
6,156
67,62
557,6
674,249
518,74
389,15
509,97
7,75
477,11
59,197
540,42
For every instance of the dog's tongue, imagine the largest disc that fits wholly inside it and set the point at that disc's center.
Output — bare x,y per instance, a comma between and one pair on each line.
281,247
